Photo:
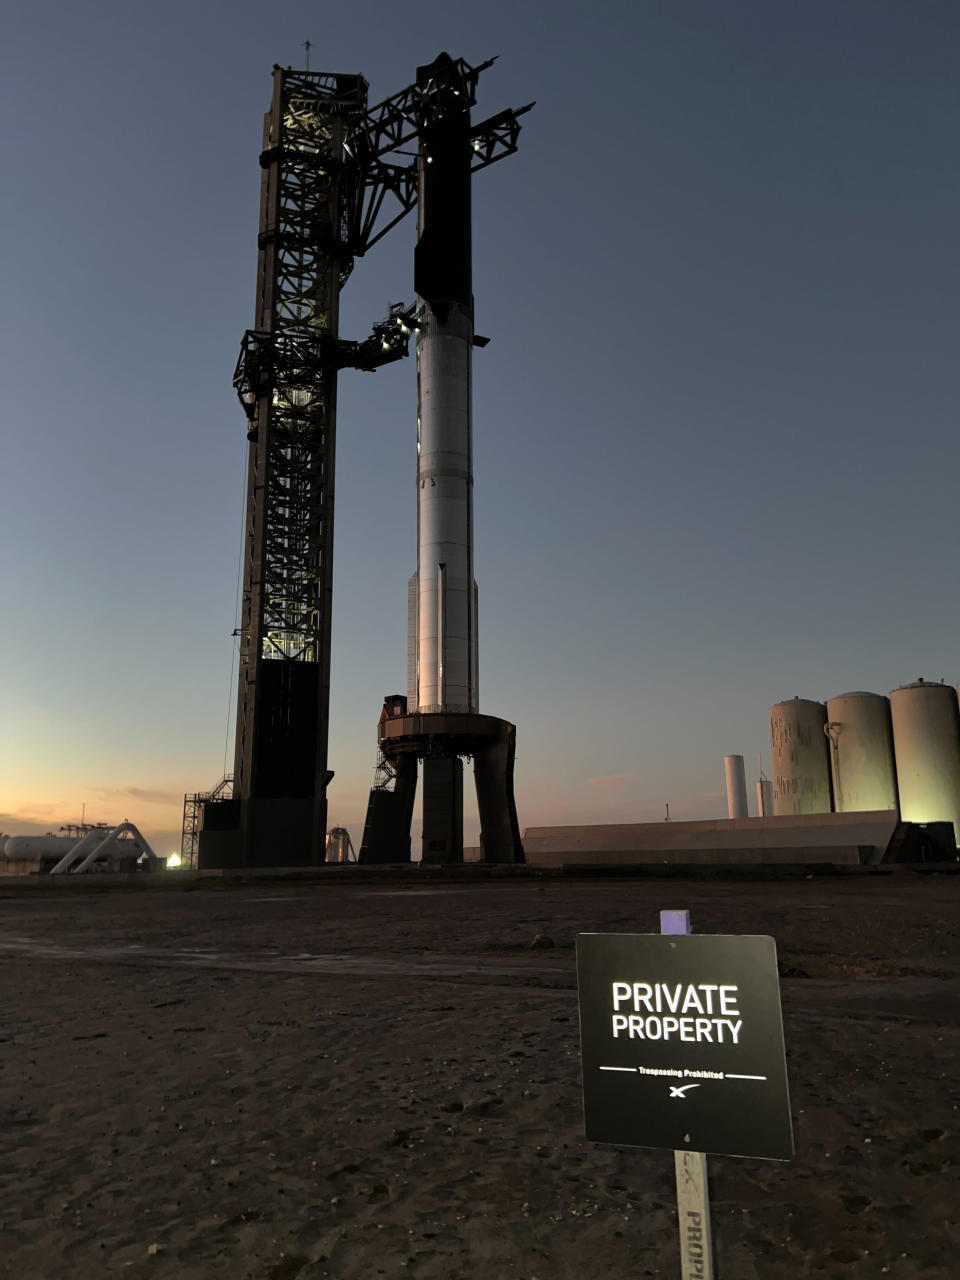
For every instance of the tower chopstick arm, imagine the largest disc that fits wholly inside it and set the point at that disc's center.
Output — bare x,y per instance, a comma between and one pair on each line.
497,137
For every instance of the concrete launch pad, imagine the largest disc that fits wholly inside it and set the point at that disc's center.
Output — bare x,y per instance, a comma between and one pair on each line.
440,739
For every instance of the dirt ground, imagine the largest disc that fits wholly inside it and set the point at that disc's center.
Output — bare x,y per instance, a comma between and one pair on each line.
286,1081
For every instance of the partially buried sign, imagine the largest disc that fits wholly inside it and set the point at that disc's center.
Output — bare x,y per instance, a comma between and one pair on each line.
682,1043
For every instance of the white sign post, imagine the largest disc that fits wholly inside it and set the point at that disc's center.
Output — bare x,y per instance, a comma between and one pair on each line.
693,1195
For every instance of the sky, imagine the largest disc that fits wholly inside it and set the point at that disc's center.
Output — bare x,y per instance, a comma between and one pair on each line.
717,461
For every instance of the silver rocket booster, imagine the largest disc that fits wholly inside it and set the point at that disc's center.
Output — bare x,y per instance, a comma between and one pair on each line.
439,722
446,643
442,655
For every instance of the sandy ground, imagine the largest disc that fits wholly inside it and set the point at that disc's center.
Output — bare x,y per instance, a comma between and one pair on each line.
283,1081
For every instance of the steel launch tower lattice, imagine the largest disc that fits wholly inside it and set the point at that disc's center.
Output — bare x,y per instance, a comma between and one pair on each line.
288,380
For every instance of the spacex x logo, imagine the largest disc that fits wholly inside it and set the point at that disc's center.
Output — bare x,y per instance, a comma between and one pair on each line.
680,1091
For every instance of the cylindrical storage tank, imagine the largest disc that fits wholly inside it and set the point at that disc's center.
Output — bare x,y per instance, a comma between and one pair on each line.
39,846
765,798
736,780
861,753
798,752
926,742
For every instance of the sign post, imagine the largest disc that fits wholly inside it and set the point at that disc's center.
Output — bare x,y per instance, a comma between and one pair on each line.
682,1048
690,1169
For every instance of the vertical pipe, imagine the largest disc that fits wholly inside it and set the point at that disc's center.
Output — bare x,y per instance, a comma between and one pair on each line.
690,1167
765,798
441,629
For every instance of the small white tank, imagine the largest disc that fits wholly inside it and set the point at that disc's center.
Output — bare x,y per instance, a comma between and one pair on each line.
861,753
926,741
736,780
798,753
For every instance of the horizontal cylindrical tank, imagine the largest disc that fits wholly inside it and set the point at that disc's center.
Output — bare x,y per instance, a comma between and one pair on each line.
736,780
926,740
798,751
861,753
38,846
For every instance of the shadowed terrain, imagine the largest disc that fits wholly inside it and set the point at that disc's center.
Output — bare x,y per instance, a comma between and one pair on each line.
282,1080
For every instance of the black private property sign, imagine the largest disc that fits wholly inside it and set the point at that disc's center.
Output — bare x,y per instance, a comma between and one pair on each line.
682,1043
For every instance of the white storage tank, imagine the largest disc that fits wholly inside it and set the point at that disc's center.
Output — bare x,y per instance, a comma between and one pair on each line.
799,755
736,782
926,741
16,847
861,753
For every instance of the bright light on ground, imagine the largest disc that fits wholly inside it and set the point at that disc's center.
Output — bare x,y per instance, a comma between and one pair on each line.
173,860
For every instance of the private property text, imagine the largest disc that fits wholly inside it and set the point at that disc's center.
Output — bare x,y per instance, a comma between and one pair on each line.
655,1006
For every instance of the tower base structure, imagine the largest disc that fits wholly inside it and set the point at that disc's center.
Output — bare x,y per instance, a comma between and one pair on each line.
441,740
260,831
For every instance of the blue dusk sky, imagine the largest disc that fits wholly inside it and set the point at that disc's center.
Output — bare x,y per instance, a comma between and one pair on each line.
717,447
